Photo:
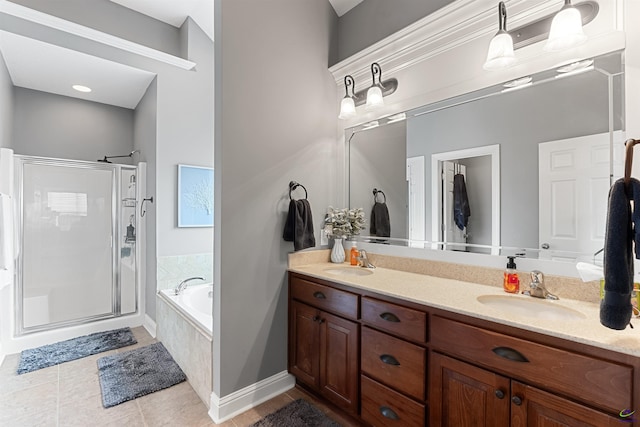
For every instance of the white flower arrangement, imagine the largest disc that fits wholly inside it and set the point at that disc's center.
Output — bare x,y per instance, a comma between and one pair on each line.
343,223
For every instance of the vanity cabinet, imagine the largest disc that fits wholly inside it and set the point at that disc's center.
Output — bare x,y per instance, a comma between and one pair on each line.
498,380
324,341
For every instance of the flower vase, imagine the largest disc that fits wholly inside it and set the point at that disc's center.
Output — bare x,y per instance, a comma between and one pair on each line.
337,253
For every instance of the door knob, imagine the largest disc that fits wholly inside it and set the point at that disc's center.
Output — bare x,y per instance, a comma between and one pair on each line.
545,246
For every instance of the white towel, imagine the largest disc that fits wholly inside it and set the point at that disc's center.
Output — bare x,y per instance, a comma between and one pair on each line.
6,235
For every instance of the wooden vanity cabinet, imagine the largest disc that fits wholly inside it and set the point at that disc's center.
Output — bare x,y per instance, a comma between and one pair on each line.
324,342
500,378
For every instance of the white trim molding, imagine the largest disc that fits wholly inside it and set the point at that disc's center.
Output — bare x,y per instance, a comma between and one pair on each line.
56,23
225,408
149,325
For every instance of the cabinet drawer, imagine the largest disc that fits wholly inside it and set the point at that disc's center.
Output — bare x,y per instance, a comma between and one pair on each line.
598,382
399,320
396,363
324,297
382,406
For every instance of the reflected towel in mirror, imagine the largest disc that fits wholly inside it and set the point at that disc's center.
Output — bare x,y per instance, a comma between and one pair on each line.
380,222
461,210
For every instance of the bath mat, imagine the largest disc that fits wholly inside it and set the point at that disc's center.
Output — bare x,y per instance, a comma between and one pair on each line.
75,348
135,373
298,413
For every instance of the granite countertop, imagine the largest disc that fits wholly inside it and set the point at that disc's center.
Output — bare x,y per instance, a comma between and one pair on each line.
462,297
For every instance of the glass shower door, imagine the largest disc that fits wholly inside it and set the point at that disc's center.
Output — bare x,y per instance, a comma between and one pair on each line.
67,263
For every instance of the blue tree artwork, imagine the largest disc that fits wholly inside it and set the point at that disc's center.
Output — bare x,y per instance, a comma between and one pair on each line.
195,196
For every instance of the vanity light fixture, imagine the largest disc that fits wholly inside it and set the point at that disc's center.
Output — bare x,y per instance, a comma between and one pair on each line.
500,54
372,96
348,104
566,29
374,93
563,30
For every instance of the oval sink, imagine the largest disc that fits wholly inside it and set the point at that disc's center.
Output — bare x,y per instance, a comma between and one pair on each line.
530,307
349,271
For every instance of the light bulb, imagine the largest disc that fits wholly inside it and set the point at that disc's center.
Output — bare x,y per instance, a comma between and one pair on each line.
566,30
374,97
347,108
500,54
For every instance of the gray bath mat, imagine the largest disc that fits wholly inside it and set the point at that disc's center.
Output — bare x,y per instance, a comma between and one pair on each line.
75,348
134,373
298,413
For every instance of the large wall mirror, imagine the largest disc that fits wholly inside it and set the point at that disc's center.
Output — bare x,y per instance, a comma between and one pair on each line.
521,168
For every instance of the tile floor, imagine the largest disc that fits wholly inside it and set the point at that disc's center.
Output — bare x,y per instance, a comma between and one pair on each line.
69,395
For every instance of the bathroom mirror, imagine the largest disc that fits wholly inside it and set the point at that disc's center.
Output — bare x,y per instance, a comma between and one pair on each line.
536,156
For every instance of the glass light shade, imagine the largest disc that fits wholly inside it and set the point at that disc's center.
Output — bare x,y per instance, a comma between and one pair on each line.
347,108
374,97
500,54
566,30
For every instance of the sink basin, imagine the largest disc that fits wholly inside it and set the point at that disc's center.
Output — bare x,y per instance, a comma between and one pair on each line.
349,271
530,307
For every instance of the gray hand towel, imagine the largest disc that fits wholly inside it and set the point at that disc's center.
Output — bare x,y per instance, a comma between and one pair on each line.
380,224
298,227
615,308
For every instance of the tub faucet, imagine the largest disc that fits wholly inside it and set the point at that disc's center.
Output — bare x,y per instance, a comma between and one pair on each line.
182,285
363,261
537,288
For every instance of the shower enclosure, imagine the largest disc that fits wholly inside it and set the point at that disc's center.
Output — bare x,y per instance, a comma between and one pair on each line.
76,225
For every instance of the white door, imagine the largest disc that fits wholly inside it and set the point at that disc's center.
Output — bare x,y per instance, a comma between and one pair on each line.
416,208
451,232
573,181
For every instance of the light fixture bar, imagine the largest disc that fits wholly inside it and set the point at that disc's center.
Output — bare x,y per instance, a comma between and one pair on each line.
388,87
539,30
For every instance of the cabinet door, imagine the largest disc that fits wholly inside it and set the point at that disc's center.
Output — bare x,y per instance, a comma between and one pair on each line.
339,374
533,407
304,343
463,395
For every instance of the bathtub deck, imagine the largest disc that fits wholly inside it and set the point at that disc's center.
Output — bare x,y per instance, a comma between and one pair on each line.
69,395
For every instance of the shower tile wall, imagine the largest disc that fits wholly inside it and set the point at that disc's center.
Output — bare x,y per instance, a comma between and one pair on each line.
174,269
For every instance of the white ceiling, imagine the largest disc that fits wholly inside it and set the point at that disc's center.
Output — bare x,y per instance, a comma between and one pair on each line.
342,6
49,68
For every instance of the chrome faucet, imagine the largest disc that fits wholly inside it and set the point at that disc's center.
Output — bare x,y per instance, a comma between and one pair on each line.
537,288
363,261
182,285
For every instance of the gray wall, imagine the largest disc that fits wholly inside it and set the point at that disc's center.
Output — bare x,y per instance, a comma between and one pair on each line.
144,137
276,121
6,106
58,126
111,18
373,158
373,20
518,121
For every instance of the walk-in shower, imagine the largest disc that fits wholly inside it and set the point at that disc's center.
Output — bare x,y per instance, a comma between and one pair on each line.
76,224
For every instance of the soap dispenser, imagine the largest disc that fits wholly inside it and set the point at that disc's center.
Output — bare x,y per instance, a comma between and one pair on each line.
353,255
511,280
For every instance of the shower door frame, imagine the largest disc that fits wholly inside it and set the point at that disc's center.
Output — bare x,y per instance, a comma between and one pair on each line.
116,231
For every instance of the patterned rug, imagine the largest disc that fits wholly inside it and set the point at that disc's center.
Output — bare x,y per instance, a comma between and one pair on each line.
75,348
298,413
135,373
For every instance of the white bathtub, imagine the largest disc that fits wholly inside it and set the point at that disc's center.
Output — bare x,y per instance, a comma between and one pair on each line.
195,303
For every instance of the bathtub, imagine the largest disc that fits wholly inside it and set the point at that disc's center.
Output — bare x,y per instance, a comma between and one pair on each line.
184,326
195,303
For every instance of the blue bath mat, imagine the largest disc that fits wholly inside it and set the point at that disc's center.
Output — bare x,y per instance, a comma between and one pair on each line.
75,348
135,373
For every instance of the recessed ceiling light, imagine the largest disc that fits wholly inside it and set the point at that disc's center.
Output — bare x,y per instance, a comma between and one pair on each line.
81,88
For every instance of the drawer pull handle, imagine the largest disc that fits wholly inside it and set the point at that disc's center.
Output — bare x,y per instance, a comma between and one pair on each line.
319,295
517,400
390,317
510,354
315,318
388,413
500,394
389,360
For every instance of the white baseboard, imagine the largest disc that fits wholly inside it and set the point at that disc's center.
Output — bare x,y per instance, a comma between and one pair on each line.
149,325
227,407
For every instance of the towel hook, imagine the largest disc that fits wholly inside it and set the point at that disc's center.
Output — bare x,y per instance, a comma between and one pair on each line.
375,195
142,212
293,185
628,158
